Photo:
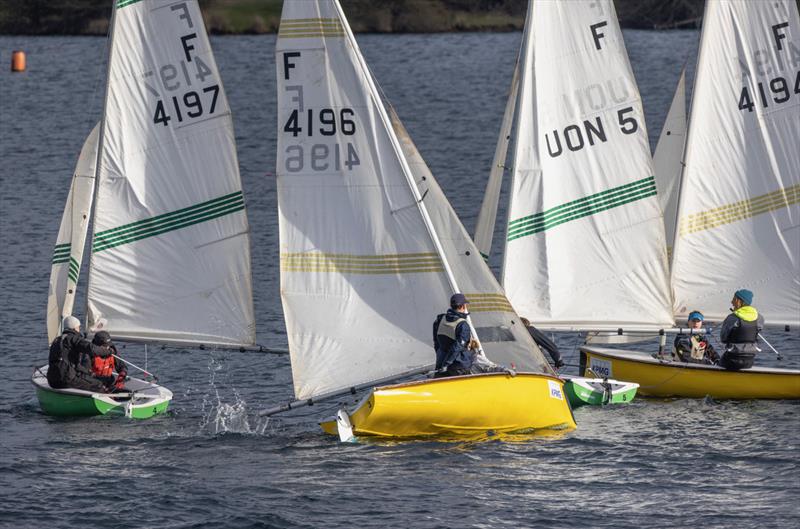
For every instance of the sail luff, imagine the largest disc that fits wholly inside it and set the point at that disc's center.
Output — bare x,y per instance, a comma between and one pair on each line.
487,217
102,133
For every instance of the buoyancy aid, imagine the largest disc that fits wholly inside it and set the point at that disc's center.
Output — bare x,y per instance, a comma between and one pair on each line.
103,367
448,328
747,329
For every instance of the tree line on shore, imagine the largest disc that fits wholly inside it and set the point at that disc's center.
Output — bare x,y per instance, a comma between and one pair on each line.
91,17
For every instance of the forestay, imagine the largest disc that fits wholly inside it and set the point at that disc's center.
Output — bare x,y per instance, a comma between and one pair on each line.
668,158
585,245
170,255
68,252
739,219
362,277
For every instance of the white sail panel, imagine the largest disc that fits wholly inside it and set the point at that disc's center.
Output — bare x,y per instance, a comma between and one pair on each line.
170,256
585,245
71,239
484,229
739,212
668,158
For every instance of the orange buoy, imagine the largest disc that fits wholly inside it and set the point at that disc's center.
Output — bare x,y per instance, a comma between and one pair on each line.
17,61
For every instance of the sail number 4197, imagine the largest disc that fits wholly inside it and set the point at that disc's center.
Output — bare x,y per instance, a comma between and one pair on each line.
777,90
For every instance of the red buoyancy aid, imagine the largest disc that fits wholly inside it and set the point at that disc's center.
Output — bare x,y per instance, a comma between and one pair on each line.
103,367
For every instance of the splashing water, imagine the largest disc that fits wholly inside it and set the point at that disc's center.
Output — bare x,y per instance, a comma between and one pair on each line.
221,417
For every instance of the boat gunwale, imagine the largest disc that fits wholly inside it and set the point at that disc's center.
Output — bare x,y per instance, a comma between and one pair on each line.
644,357
463,377
147,395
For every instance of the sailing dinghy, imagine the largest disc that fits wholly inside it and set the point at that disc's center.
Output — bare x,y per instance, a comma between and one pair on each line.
370,253
738,209
169,260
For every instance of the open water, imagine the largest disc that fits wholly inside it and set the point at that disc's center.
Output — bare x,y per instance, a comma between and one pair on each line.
212,462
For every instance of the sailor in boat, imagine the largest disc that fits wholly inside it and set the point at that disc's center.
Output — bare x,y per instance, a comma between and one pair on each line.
104,367
695,347
456,350
544,342
739,332
70,359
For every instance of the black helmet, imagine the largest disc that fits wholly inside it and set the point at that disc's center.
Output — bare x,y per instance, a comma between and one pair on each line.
101,338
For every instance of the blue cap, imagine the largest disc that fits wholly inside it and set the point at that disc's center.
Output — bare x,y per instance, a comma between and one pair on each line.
458,299
695,315
745,295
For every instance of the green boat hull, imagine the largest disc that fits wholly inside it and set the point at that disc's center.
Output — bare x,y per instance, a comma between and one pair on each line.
142,401
598,392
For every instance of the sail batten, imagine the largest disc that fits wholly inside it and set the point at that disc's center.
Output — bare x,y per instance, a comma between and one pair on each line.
739,210
170,250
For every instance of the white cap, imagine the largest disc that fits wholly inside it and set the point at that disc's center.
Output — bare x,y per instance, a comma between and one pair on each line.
71,322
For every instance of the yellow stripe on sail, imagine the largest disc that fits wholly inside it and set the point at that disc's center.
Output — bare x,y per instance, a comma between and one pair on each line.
741,210
488,303
361,264
299,28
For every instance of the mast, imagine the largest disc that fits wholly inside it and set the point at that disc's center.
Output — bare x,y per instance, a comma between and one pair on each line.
100,143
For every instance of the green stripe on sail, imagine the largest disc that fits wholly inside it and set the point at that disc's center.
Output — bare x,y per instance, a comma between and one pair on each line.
61,253
582,207
167,222
124,3
485,257
74,270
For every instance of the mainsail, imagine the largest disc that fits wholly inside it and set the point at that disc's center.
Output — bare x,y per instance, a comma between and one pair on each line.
668,158
585,245
170,254
739,218
370,249
71,239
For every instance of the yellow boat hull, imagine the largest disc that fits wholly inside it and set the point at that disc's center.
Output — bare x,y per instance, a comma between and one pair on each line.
462,406
662,378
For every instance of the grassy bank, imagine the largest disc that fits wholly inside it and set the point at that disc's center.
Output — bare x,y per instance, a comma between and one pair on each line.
90,17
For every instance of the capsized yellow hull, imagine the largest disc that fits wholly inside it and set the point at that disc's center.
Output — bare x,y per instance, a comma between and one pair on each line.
661,378
462,406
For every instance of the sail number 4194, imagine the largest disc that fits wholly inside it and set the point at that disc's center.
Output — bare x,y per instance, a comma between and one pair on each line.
778,89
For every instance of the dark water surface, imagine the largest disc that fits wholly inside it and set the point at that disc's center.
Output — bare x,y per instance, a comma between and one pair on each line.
212,462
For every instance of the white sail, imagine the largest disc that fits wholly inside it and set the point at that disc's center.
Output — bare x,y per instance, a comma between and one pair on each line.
363,273
170,256
668,158
71,239
484,229
739,218
585,246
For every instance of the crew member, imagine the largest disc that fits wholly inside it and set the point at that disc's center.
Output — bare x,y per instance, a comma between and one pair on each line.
695,347
104,367
739,332
70,359
544,342
457,352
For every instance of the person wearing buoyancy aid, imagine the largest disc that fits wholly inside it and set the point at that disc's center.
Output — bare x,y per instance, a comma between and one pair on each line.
739,332
103,367
456,351
695,347
69,362
451,339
